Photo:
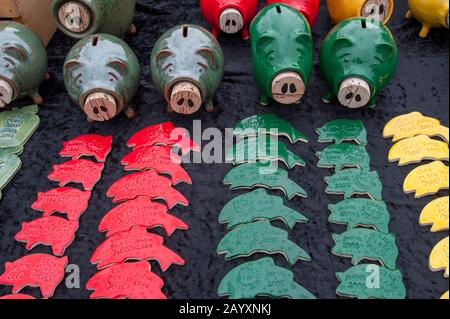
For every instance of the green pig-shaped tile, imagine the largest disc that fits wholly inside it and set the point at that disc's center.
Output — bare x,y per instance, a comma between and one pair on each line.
23,63
282,53
358,59
81,18
102,74
187,66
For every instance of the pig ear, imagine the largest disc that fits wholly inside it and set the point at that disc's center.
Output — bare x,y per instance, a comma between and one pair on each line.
118,65
343,43
208,54
161,55
71,64
15,51
386,49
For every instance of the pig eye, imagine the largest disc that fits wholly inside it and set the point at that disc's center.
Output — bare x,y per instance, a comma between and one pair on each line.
9,62
202,67
79,79
113,77
269,55
168,68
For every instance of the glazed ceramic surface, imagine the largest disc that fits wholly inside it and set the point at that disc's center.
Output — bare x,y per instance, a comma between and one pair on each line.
431,13
380,10
281,42
23,62
102,63
102,16
188,53
359,48
309,8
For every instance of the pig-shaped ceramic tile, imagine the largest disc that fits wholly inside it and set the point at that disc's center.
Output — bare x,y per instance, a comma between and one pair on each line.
380,10
102,74
187,66
309,8
358,59
81,18
282,53
229,16
23,63
431,13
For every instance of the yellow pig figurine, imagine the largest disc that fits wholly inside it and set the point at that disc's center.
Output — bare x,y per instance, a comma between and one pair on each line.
431,13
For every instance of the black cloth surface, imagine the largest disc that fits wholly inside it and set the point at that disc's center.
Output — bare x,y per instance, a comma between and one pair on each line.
420,84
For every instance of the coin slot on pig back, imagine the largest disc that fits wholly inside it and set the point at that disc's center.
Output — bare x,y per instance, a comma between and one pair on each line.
185,31
363,24
95,41
278,9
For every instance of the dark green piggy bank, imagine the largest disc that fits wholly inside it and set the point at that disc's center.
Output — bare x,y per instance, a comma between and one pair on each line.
102,74
358,60
282,53
81,18
23,63
187,66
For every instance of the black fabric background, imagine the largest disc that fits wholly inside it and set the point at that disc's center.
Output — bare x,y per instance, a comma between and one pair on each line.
421,84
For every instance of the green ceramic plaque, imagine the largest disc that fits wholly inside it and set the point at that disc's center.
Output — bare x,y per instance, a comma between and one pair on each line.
260,237
17,126
10,164
365,212
258,205
363,243
342,130
263,148
265,175
353,181
340,156
371,281
268,124
261,278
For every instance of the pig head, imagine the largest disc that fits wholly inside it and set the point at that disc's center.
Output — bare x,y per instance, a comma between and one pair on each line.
359,48
187,53
102,63
281,42
23,62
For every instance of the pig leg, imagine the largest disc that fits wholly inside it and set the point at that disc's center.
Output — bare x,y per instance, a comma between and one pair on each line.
132,29
36,97
327,98
130,112
409,14
264,100
425,30
245,34
209,106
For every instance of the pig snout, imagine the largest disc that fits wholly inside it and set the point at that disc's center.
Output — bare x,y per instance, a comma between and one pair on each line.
377,9
354,93
74,16
231,21
288,88
185,98
6,93
100,106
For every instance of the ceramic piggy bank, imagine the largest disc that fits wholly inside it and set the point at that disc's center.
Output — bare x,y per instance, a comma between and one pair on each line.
23,63
81,18
431,13
282,53
358,59
309,8
229,16
380,10
187,66
101,74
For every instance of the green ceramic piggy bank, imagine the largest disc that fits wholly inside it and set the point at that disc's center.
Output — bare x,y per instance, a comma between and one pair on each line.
102,74
187,66
23,63
81,18
358,60
282,53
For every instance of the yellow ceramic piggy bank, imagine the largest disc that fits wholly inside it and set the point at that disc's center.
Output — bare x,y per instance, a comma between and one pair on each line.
431,13
380,10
